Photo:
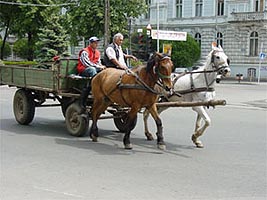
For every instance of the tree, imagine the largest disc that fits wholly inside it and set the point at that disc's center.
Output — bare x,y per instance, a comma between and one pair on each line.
6,50
7,17
30,20
88,19
52,37
20,48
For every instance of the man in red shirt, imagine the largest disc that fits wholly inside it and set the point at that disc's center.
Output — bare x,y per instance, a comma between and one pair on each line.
89,59
89,64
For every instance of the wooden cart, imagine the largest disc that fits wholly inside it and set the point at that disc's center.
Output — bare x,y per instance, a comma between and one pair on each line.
57,81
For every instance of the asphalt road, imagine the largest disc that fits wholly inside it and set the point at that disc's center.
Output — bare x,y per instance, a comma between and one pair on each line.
42,162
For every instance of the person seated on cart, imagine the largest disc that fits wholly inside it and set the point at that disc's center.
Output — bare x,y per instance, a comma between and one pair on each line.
89,64
114,56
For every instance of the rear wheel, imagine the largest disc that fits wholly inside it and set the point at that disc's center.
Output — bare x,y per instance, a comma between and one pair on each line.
77,124
23,106
121,122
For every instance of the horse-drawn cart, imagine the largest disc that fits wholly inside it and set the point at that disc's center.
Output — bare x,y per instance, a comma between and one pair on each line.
59,82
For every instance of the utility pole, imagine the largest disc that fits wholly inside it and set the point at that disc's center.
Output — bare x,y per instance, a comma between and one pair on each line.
107,20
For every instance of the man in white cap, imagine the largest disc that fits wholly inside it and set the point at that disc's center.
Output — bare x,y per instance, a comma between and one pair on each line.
89,64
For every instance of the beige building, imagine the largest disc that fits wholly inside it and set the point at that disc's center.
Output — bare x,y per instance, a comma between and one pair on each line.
239,26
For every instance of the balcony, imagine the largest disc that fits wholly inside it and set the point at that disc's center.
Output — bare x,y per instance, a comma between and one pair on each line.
248,17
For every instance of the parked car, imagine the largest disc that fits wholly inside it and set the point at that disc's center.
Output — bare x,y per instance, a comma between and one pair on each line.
180,70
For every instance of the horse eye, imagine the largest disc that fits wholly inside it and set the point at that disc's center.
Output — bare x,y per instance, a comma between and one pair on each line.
218,57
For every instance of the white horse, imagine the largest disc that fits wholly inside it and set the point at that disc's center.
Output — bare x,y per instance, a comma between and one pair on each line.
196,86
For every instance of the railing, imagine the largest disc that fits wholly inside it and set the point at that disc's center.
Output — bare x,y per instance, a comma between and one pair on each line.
248,16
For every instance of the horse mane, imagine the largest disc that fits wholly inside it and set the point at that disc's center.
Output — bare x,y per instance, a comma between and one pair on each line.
203,64
154,60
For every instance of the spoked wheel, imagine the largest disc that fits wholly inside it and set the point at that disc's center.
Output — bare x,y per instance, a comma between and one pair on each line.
76,123
121,122
23,106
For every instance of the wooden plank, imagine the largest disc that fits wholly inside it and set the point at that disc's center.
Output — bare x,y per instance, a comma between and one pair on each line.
192,104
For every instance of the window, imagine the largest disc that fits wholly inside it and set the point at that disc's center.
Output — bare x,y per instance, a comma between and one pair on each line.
179,8
253,44
199,4
258,5
220,7
219,38
198,39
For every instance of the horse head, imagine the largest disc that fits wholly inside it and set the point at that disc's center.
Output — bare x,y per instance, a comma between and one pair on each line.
219,60
161,66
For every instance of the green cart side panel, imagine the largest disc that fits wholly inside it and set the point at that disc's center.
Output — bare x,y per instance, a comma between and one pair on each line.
28,77
6,75
66,68
42,78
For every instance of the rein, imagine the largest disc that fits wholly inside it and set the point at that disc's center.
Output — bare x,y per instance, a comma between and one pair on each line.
193,89
143,85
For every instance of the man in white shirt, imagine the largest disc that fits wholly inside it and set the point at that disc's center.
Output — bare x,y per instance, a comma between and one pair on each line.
114,56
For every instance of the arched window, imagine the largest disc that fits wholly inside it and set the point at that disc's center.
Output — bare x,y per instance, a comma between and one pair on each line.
199,5
179,8
253,44
219,38
198,39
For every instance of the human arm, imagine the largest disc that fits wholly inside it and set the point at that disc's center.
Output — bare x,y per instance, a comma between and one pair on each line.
84,58
130,56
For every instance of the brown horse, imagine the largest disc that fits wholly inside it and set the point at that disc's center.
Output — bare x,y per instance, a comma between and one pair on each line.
134,89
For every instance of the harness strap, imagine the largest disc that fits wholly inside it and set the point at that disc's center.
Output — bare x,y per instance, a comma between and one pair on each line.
202,89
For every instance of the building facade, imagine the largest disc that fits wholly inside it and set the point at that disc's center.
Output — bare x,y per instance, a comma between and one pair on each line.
239,26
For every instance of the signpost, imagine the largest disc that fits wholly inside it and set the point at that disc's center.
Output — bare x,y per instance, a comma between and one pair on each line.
261,57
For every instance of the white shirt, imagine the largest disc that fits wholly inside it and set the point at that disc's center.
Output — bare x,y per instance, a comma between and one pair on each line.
112,54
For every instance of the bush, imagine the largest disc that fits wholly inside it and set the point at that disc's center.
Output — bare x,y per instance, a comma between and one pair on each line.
21,48
184,53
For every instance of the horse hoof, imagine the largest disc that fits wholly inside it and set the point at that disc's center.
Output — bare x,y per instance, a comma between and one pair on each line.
149,137
162,147
94,138
199,144
128,146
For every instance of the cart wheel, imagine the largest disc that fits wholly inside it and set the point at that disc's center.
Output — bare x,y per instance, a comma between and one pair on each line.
77,125
65,102
23,106
120,123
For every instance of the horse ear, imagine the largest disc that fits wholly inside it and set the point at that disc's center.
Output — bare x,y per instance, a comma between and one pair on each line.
220,48
158,54
214,45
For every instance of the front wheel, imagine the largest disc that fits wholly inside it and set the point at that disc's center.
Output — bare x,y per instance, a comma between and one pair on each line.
23,106
121,122
77,124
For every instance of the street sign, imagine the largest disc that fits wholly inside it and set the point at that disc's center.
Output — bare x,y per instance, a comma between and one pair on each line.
169,35
262,55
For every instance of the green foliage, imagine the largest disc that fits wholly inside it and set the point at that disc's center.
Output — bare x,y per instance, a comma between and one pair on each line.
6,51
87,19
52,39
20,48
184,53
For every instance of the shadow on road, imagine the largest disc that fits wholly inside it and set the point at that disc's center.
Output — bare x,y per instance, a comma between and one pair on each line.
110,142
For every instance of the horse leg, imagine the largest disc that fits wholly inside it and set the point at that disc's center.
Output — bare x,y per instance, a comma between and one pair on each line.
129,124
199,130
148,135
160,141
98,108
